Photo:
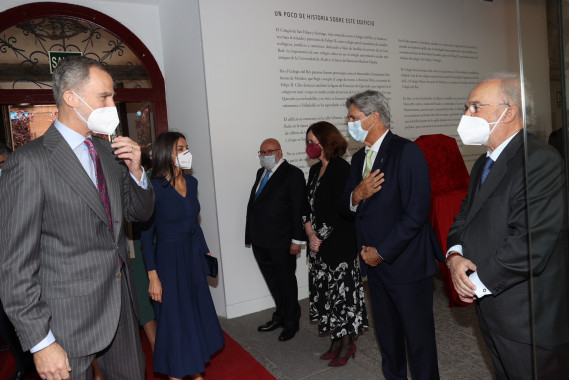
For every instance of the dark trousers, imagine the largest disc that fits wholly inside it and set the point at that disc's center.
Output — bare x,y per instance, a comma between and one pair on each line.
123,358
278,267
403,313
515,360
23,359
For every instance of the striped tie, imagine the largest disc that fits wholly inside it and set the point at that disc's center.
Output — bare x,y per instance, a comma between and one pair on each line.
101,183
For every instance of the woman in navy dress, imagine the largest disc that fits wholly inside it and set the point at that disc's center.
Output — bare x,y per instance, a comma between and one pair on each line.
174,250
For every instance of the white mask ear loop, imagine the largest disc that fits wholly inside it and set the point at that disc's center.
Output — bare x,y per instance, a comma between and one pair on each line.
497,121
77,112
84,102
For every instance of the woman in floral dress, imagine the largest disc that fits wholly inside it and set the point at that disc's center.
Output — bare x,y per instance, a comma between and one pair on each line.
336,293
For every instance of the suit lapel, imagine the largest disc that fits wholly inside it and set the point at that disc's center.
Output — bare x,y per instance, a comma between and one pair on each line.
495,176
254,189
66,164
383,153
358,161
273,180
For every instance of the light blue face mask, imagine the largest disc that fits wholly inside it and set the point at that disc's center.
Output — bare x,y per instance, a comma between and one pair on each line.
268,162
356,130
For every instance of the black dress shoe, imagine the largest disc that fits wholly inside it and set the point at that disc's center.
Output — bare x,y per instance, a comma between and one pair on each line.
270,326
19,375
288,333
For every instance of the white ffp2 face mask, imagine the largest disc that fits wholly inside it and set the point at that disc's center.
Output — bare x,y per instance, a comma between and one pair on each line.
102,120
184,160
475,130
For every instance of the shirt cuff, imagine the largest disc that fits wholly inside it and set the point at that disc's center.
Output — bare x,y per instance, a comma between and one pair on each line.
143,182
454,248
352,208
299,242
481,289
48,340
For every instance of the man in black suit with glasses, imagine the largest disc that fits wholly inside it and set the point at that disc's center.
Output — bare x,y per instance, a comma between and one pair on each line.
274,229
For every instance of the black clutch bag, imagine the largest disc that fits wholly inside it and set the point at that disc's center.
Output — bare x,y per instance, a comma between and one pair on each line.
211,265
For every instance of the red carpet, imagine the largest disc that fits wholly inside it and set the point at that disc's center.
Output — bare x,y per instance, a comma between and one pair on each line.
232,362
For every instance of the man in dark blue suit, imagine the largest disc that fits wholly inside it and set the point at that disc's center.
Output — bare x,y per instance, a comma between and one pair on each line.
388,191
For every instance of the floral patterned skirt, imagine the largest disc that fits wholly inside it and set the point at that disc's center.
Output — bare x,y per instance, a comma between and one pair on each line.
337,300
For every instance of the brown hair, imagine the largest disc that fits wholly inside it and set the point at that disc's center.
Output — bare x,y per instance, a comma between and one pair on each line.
332,142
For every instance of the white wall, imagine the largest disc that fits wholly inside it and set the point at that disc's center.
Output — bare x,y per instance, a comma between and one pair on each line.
535,59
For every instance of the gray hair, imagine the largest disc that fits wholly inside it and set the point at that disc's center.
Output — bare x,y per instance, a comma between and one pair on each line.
370,101
72,73
511,89
5,150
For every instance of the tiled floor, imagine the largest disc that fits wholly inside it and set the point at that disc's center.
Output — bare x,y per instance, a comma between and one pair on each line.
461,351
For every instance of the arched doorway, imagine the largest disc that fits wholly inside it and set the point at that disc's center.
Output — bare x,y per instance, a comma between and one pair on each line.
34,35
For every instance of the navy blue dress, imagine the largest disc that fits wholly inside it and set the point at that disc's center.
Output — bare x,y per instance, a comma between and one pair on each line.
188,328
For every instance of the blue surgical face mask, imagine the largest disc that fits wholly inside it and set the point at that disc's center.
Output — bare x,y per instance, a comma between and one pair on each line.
268,162
356,130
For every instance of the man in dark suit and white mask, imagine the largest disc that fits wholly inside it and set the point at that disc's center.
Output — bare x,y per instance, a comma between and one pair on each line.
509,240
64,279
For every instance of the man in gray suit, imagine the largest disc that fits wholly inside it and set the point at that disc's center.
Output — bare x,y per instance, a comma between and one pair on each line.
64,278
509,241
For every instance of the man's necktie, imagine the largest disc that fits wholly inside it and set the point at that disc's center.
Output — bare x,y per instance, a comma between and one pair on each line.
263,183
487,166
368,166
101,183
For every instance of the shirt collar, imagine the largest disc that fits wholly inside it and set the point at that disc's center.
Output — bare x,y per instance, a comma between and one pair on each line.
73,138
376,145
496,152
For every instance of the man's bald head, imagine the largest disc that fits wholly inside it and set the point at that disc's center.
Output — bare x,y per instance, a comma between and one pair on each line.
270,147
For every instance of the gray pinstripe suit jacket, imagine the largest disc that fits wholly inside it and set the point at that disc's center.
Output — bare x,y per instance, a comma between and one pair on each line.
59,267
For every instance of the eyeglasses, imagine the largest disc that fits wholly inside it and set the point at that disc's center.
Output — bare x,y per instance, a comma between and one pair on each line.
473,107
267,152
